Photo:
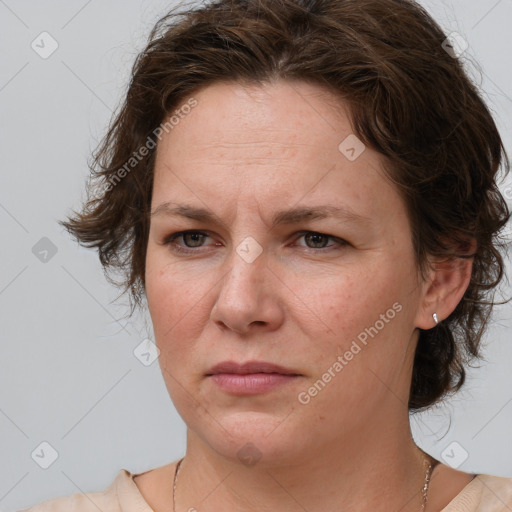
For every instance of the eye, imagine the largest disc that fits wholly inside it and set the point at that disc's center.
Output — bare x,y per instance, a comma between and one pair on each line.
188,242
315,240
191,239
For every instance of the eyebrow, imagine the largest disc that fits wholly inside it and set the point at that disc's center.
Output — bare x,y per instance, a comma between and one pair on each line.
291,216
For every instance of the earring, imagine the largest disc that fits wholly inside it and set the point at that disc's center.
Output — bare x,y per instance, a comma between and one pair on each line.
435,318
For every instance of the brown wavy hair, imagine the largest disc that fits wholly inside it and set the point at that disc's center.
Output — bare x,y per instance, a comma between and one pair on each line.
409,99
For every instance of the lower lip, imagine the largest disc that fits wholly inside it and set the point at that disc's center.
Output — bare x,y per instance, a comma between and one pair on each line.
251,383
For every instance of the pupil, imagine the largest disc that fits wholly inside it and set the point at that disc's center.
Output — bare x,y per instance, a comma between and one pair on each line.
195,237
317,238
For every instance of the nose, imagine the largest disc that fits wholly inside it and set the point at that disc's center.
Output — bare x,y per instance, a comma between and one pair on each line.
248,299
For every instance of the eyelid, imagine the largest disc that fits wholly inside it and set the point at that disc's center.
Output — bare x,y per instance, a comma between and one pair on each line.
169,240
339,241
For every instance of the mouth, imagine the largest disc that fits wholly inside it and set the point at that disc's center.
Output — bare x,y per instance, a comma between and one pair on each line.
249,367
250,378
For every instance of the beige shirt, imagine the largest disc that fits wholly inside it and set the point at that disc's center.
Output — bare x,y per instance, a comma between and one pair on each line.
484,493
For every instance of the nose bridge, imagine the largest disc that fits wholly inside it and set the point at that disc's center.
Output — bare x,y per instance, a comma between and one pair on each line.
244,297
245,276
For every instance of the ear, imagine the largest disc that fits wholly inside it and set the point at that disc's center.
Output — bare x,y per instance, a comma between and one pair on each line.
443,290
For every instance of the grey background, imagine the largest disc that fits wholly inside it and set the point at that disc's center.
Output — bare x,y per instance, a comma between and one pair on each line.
68,373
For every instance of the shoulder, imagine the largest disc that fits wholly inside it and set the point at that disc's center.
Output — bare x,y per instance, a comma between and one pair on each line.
155,486
484,493
120,496
496,491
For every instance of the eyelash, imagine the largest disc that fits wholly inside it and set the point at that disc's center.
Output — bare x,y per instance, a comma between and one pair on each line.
170,241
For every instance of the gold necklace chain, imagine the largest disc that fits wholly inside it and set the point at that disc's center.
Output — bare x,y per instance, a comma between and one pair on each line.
424,489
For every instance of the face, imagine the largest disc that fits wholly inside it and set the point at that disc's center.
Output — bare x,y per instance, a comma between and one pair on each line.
272,243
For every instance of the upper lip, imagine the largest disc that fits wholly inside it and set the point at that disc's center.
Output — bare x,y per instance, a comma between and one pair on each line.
249,367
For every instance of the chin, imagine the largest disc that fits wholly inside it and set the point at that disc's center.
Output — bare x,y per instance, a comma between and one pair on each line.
251,438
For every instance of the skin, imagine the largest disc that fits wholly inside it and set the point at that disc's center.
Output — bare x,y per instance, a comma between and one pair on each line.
245,152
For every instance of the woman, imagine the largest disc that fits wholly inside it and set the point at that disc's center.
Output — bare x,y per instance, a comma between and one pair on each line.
305,193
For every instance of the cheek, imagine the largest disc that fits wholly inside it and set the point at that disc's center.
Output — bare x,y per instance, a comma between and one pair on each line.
164,281
178,302
165,301
359,312
347,301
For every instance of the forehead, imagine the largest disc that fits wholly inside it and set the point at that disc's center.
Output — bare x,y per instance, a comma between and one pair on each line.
278,114
284,141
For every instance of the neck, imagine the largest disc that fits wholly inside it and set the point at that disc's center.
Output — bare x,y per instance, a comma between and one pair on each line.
380,472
